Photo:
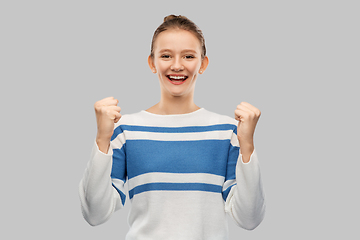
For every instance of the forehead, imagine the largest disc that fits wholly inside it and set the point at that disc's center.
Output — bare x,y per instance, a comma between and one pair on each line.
176,40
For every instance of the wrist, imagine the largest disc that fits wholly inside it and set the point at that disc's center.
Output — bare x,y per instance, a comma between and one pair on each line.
103,143
104,137
246,149
246,142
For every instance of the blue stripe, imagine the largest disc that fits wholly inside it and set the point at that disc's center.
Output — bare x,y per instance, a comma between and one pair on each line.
122,195
218,127
227,191
119,164
175,187
231,163
205,156
117,131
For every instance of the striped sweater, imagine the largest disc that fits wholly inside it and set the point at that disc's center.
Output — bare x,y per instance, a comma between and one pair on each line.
184,174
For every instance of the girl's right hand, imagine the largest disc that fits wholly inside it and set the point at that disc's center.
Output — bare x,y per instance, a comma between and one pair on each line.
107,113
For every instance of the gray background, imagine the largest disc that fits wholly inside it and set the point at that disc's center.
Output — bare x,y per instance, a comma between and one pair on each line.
297,61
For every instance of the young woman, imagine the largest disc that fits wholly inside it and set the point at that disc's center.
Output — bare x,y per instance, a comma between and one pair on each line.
186,167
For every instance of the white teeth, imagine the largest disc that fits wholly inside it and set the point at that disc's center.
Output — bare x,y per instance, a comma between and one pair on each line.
177,77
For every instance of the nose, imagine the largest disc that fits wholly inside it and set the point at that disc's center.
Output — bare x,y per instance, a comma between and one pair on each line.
177,65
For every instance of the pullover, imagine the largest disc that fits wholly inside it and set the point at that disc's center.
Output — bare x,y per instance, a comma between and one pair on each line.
184,174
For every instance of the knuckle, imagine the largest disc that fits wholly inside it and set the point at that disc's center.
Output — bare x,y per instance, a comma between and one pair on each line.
96,105
103,110
108,112
249,116
97,108
258,113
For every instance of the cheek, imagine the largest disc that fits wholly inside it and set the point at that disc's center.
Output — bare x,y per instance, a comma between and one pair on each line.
194,68
161,67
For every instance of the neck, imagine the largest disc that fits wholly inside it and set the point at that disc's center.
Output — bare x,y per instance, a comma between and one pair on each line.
174,105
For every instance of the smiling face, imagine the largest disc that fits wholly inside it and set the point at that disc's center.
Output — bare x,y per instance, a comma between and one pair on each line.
177,61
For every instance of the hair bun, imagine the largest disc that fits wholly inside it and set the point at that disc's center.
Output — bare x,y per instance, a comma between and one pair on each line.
179,22
172,16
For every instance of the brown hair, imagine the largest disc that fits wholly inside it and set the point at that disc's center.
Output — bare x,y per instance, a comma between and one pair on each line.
180,22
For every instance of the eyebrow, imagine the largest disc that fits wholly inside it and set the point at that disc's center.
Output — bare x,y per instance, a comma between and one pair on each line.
186,50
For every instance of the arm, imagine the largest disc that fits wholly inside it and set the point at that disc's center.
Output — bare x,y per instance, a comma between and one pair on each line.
101,191
98,198
245,201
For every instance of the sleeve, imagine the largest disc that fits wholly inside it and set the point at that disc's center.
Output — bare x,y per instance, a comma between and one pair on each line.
101,189
243,192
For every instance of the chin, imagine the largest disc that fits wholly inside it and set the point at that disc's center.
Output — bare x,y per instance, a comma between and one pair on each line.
175,94
181,94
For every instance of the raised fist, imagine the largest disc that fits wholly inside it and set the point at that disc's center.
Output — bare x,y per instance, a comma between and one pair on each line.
107,113
248,116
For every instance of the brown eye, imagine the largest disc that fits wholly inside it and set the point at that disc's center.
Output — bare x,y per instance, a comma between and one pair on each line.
165,56
189,56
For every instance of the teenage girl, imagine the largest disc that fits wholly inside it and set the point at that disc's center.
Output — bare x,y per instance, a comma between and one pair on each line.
186,167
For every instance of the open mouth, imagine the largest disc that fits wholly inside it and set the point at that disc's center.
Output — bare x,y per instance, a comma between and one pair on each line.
177,79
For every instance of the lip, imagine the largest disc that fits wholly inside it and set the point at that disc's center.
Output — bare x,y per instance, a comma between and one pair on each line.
177,82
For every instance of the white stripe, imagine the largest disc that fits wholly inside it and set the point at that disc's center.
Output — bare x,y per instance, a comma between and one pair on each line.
119,184
175,178
203,118
234,140
218,135
228,183
117,143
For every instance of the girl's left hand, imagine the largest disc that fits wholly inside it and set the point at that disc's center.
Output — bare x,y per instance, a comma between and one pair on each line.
248,116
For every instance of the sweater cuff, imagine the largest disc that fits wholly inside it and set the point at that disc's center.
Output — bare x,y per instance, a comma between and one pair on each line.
98,152
253,157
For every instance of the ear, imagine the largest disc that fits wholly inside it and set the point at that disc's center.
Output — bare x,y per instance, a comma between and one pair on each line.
204,64
151,64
